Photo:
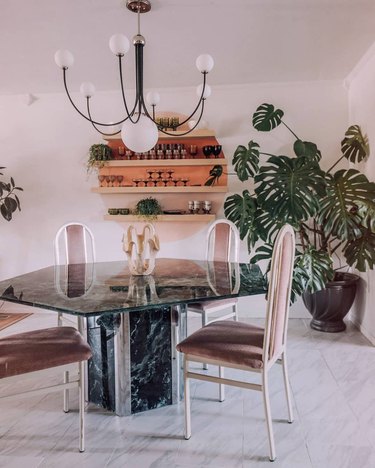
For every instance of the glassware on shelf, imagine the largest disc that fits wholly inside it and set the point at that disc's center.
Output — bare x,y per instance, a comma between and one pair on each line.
170,172
108,180
101,179
193,150
136,182
160,154
196,206
152,154
176,154
121,151
176,180
165,181
168,154
191,206
185,180
216,150
206,207
113,180
128,154
183,153
120,178
207,150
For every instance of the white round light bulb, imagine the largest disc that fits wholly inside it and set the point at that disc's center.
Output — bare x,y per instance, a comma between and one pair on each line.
153,98
87,89
64,58
141,136
205,63
207,91
119,44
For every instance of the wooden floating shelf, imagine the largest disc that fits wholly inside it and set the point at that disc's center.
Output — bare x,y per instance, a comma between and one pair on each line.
165,162
197,218
177,134
188,189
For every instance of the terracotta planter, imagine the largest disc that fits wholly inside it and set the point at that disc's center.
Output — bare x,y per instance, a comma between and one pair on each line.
329,306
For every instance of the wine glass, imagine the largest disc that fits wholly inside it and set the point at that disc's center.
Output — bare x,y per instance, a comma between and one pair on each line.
101,179
207,150
176,180
165,181
216,150
113,180
120,178
108,180
136,181
170,172
150,172
185,180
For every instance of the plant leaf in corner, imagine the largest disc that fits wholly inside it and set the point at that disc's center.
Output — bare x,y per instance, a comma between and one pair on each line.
355,146
266,117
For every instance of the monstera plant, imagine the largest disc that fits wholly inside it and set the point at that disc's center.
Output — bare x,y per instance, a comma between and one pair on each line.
332,212
9,201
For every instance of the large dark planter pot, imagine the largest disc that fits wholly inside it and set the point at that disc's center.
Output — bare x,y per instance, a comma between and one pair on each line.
329,306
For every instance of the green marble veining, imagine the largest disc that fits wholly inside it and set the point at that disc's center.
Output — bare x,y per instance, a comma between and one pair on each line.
108,287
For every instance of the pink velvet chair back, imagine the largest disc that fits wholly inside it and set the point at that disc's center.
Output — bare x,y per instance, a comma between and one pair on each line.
74,244
223,242
279,293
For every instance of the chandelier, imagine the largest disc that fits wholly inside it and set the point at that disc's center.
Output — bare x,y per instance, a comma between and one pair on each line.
139,130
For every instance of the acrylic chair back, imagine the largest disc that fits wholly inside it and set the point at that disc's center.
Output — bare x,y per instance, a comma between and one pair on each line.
223,242
74,243
279,291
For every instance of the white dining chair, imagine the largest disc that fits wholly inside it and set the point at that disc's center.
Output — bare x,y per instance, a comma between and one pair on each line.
222,245
74,246
243,346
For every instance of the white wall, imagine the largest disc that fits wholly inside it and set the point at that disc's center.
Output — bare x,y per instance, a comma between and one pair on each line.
44,147
362,111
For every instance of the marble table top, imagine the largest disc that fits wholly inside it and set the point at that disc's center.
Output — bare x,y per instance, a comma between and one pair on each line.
108,287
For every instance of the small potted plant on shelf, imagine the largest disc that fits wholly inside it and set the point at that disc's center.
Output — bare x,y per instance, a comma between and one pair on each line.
98,154
9,201
332,213
148,208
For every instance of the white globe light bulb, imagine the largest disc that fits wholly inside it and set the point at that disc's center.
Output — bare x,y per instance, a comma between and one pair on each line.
64,58
87,89
207,91
205,63
141,136
153,98
119,44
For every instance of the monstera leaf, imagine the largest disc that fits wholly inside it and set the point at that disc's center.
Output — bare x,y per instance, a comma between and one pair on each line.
313,269
287,188
266,226
246,160
355,145
346,190
240,210
214,175
266,117
360,252
307,149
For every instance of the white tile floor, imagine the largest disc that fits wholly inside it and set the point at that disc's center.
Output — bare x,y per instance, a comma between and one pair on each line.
332,379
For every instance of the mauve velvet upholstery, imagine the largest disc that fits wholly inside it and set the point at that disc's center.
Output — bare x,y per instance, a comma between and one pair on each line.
227,341
207,305
41,349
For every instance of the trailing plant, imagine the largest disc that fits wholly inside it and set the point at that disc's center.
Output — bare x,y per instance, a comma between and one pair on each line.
148,208
9,201
331,212
98,154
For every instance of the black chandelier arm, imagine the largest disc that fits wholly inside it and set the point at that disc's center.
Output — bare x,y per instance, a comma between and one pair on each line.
81,113
139,75
93,123
188,131
129,114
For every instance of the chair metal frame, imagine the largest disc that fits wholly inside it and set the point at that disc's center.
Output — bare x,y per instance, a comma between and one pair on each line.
80,382
269,357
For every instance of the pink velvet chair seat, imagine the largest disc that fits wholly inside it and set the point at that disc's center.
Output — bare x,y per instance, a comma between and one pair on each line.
41,349
232,342
208,305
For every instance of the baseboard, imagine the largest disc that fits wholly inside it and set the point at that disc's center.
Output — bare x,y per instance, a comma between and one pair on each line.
365,332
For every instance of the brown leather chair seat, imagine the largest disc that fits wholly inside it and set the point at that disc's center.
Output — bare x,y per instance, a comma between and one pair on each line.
233,342
41,349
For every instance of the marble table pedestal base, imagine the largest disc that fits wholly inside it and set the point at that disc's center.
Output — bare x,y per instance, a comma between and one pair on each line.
135,366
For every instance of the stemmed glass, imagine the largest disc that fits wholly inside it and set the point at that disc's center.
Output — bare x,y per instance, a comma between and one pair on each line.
120,178
170,172
185,180
216,150
176,180
193,150
150,172
101,179
113,179
136,181
108,180
207,150
165,181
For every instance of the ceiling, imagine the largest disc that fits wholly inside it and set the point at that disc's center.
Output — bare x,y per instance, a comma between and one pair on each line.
250,40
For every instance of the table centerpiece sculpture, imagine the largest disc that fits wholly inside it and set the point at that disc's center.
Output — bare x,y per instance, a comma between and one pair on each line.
141,249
